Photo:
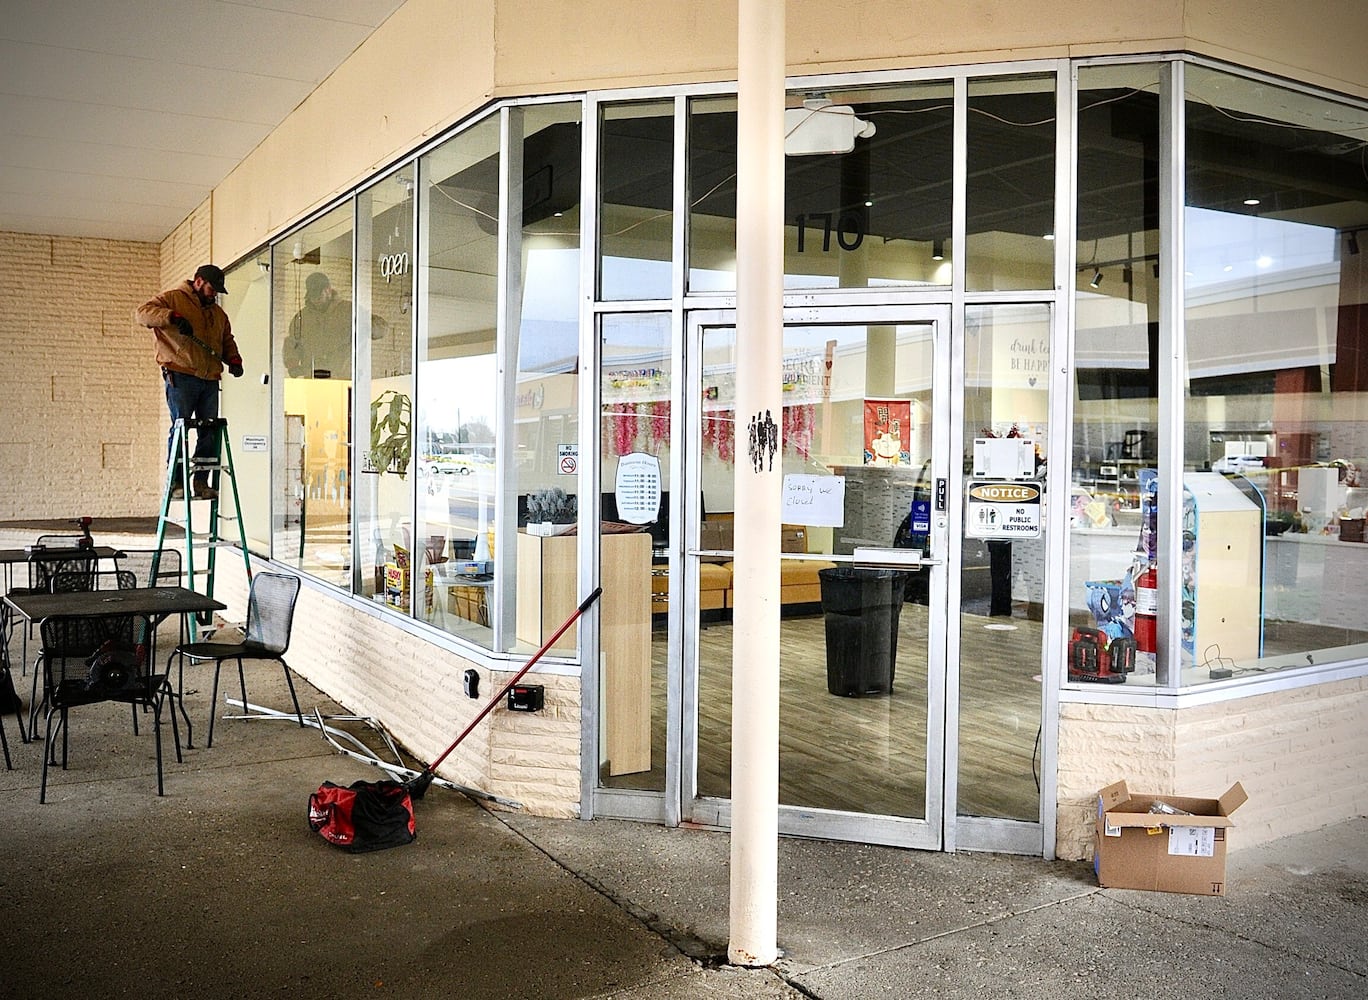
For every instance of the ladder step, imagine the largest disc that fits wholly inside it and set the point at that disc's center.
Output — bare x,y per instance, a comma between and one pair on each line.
221,464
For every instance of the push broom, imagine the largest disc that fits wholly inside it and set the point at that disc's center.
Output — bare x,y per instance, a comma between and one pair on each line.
418,785
374,815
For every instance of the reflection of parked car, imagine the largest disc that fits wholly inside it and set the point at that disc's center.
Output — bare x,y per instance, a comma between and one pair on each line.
458,465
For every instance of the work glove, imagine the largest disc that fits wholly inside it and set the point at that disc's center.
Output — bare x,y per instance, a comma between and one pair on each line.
235,368
182,324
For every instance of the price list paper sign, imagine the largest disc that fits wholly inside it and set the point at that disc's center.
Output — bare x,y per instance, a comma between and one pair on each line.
637,488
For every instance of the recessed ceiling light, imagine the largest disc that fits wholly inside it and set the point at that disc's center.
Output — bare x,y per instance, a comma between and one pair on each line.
1251,201
1265,261
1228,267
1048,236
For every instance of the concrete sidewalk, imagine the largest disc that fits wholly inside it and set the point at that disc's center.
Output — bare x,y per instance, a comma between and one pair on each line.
219,889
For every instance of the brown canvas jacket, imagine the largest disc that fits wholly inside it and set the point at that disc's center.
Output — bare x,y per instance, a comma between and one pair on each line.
178,353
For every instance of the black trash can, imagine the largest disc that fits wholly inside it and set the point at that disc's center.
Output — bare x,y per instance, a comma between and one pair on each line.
861,608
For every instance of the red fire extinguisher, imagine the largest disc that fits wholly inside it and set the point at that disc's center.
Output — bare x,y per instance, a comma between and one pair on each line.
1146,608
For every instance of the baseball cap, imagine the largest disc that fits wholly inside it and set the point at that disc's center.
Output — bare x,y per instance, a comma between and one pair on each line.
213,275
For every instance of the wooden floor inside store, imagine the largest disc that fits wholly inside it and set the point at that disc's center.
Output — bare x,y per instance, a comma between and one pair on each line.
868,754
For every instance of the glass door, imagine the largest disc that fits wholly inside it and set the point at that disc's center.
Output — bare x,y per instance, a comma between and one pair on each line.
864,574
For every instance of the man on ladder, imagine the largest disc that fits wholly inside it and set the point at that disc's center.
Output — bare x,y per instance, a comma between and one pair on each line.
194,341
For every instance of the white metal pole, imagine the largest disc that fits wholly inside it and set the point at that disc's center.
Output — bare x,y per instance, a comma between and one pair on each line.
759,417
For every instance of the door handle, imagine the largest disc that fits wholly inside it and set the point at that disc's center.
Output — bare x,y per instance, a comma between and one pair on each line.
894,558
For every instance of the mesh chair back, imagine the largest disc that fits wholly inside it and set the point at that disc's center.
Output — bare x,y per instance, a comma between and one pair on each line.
270,611
42,571
139,562
68,647
70,583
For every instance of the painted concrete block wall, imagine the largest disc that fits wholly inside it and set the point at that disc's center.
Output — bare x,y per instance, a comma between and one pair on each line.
187,247
415,690
82,396
1298,754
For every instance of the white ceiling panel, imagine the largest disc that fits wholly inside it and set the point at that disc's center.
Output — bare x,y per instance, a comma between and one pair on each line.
118,119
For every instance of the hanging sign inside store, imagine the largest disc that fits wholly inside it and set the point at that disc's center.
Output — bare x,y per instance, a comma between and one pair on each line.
392,264
999,509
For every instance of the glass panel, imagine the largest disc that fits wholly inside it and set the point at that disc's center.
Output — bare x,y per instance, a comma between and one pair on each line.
247,404
546,347
389,559
636,215
1002,567
857,405
311,280
1274,572
458,374
1010,192
1116,367
634,428
867,189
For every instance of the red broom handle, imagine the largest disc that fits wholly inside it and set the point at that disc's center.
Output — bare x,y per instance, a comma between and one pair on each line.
584,606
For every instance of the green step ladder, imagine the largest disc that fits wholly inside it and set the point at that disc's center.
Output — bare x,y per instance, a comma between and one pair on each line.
199,574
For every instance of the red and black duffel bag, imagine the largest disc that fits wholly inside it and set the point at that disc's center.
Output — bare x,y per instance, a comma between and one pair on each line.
368,816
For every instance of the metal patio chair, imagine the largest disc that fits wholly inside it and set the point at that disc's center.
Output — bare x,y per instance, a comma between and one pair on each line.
266,636
93,660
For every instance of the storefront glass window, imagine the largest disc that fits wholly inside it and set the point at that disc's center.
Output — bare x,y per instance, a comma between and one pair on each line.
1116,375
1010,193
246,402
311,301
636,211
867,189
543,485
1002,578
1275,572
458,374
384,390
635,427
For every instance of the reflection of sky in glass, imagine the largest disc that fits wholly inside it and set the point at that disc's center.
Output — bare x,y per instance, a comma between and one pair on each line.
550,283
1222,246
455,391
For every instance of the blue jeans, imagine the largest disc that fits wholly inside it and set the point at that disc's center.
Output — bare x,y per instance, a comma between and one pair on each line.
191,398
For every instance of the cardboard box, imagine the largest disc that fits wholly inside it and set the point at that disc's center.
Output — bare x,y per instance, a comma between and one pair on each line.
396,584
1134,848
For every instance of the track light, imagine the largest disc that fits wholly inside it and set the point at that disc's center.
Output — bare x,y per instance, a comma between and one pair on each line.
1096,278
1353,243
938,249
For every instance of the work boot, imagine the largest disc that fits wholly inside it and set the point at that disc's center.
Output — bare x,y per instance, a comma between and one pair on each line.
178,492
203,491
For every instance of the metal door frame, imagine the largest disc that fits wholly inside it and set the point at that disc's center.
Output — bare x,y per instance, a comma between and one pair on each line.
927,833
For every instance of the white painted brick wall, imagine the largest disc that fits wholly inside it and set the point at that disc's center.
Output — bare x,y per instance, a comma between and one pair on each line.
415,689
83,431
188,247
1298,754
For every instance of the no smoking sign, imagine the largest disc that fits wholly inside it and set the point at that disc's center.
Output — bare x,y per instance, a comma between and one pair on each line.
569,459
